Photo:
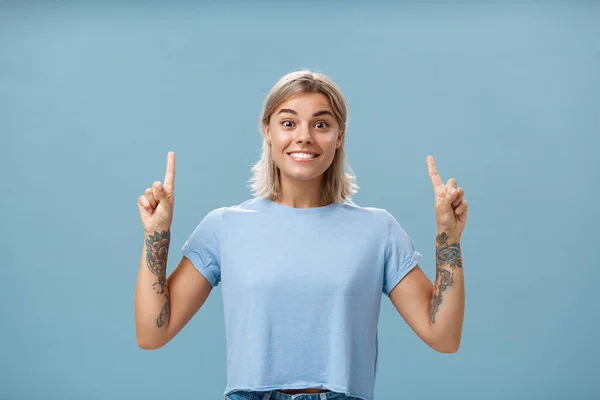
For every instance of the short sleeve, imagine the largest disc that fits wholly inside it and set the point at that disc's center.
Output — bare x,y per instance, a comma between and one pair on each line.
202,247
400,255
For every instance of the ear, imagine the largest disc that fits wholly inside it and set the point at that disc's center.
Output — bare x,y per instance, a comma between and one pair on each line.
338,143
267,134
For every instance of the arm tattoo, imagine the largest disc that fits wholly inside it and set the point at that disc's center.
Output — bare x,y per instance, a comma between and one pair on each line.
163,317
448,258
157,251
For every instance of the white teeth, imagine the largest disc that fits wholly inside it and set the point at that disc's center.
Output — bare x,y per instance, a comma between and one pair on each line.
302,155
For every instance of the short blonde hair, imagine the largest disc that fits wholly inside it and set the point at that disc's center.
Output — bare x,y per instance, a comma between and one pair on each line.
339,181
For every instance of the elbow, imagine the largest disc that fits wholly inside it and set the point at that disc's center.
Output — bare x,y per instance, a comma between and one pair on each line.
149,345
446,347
146,344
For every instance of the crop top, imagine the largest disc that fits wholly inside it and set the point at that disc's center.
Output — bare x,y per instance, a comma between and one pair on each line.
302,290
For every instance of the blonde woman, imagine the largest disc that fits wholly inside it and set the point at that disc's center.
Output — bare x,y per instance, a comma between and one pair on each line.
302,267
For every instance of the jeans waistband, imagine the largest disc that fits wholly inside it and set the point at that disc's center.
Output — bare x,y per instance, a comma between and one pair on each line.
275,395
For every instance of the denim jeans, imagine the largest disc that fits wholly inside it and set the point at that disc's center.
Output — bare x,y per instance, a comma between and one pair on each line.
275,395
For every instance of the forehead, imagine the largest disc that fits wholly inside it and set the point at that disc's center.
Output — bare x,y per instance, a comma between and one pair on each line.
307,102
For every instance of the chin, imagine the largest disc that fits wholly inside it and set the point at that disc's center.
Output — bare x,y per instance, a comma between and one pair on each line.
303,176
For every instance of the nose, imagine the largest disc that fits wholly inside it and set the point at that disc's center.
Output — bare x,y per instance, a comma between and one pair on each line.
303,134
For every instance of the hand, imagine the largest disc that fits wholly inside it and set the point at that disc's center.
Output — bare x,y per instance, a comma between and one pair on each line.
450,209
156,205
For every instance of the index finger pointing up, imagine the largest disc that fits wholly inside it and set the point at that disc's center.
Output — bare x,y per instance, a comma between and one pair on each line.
436,180
170,174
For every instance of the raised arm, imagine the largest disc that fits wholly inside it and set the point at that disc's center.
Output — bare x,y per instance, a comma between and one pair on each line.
162,306
435,312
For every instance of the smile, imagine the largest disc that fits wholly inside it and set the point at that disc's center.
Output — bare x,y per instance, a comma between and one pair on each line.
303,157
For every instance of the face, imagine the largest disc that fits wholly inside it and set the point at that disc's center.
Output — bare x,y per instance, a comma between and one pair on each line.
304,136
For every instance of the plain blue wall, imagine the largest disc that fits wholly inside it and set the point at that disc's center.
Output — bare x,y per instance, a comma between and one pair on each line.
505,96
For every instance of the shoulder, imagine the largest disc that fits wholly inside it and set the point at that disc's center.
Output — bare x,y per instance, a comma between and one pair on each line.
216,215
234,211
379,215
245,207
212,223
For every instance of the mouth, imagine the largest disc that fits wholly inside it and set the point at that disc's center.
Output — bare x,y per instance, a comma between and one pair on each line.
303,156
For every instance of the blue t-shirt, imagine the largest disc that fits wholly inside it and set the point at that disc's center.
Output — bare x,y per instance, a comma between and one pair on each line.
302,291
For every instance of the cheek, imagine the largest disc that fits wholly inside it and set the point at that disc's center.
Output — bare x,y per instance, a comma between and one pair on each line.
278,147
328,143
280,139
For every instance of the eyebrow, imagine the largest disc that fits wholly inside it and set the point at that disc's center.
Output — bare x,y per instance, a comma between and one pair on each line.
318,113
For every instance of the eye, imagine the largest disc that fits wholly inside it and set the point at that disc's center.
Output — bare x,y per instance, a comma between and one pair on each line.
287,123
321,124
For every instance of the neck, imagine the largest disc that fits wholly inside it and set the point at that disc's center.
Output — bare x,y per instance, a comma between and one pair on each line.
300,194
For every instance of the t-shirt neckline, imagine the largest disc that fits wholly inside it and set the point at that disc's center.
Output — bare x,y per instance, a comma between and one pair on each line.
272,205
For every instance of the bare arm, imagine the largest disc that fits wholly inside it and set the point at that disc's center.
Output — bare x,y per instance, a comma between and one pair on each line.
164,306
435,312
447,308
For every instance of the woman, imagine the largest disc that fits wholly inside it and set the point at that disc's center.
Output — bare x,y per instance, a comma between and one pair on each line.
302,267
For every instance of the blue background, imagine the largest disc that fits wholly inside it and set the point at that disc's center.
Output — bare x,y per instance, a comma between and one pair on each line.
506,96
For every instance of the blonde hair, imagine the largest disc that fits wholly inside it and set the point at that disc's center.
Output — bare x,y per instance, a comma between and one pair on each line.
339,181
